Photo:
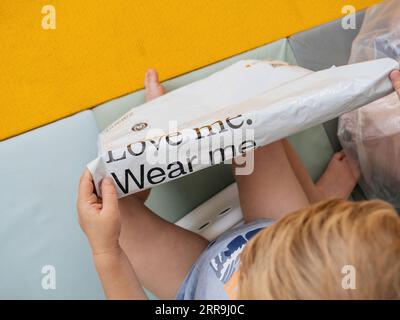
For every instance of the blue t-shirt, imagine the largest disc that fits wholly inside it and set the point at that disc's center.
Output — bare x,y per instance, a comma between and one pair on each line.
214,275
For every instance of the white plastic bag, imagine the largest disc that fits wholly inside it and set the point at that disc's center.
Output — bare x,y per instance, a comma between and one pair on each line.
247,105
370,135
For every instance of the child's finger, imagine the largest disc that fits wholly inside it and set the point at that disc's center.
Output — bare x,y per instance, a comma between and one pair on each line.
109,195
85,191
395,77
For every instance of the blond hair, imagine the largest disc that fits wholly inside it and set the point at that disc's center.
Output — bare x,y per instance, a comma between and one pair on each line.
302,256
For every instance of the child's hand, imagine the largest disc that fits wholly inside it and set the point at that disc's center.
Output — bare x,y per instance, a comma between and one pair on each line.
99,218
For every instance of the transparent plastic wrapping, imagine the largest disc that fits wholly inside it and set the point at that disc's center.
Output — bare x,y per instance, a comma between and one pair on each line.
371,139
379,36
370,135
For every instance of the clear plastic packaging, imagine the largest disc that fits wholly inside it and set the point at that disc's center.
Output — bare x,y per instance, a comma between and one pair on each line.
379,36
370,135
371,139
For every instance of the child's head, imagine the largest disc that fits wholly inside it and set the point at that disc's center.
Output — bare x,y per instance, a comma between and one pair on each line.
303,255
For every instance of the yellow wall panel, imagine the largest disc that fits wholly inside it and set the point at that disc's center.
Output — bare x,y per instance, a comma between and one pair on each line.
100,49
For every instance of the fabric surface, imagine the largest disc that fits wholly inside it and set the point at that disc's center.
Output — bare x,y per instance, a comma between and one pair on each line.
325,45
39,174
100,49
215,273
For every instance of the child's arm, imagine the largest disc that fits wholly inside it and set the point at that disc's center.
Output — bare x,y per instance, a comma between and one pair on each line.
101,222
117,276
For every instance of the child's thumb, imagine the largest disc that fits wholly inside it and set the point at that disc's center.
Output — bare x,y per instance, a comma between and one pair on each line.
109,195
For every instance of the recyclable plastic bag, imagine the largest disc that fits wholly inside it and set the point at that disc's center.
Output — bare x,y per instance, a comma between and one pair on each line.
249,104
370,135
